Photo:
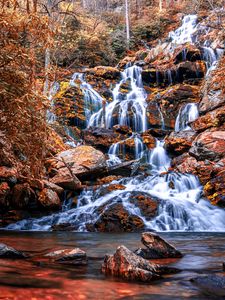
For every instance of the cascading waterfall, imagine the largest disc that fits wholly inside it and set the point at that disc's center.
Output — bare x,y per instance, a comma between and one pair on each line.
179,196
93,101
187,114
129,108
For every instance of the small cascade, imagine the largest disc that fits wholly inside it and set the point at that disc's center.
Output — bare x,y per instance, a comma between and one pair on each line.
187,114
126,108
113,153
180,206
185,33
158,158
93,101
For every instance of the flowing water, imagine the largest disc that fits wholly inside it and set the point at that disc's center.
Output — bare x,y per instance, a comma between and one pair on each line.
37,279
186,115
179,196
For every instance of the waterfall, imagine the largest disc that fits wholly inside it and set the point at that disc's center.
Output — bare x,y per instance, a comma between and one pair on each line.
185,33
180,205
158,158
92,100
129,107
187,114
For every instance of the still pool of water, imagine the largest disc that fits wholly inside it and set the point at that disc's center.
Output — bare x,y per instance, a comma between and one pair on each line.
35,279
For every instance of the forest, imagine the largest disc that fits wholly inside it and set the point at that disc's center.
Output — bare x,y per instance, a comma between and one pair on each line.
112,149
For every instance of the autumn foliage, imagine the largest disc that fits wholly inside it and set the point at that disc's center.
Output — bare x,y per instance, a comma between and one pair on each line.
22,106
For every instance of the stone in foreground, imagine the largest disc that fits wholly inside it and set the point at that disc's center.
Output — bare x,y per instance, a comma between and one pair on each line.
74,256
210,285
127,265
9,252
156,247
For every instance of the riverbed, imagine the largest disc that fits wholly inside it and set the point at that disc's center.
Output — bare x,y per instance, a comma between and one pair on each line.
37,279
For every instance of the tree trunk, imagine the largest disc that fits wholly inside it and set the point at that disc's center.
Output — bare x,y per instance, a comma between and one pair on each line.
127,22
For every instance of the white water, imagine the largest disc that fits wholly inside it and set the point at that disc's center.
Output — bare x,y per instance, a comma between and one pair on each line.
187,114
129,107
93,101
180,203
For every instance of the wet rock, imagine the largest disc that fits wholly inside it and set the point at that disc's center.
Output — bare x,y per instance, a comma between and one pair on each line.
63,227
214,118
79,161
189,53
48,199
187,69
101,138
13,216
9,252
116,218
123,129
214,189
54,187
209,145
74,256
224,266
148,206
148,140
156,247
22,195
105,72
129,266
4,192
179,142
213,285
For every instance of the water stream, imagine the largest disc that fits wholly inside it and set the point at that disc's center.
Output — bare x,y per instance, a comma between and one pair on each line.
179,196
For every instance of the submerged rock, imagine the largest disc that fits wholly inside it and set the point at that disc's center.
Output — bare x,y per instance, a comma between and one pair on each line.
211,285
74,256
9,252
156,247
127,265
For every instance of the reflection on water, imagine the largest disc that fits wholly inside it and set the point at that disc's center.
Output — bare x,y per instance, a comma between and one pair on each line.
38,279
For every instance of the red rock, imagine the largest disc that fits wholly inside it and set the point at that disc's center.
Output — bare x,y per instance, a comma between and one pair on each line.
22,194
74,256
213,118
49,199
209,145
79,161
116,218
127,265
156,247
179,142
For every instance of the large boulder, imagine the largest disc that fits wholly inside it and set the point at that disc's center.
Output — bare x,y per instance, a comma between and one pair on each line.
215,118
48,199
209,145
22,195
129,266
156,247
73,163
74,256
179,142
9,252
115,218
